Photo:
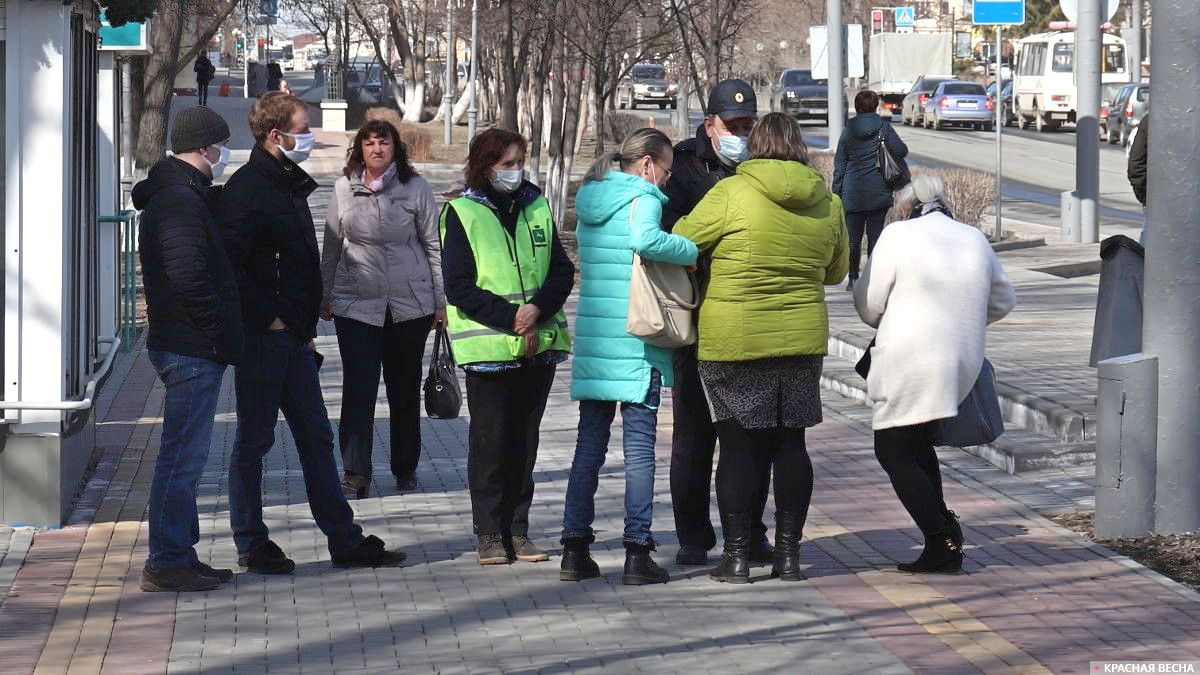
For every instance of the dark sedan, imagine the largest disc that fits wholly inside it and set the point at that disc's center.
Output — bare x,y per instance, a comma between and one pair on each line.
796,93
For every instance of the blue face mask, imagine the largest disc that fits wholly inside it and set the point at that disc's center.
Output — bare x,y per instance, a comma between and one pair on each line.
733,149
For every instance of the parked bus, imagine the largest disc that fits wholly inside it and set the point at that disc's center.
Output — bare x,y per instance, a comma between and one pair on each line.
1044,91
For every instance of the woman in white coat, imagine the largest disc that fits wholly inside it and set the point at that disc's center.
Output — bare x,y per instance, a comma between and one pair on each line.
931,287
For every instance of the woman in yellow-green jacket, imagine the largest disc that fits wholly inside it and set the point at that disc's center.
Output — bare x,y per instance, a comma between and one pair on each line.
776,236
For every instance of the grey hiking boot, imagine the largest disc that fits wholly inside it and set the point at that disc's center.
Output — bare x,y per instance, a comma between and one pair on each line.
491,550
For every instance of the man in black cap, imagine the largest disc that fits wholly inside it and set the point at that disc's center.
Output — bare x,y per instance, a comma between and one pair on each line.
700,162
195,332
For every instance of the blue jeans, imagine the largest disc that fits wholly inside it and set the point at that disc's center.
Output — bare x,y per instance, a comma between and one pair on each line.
278,372
193,385
639,424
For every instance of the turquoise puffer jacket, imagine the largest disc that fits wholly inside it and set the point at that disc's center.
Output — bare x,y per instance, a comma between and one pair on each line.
609,363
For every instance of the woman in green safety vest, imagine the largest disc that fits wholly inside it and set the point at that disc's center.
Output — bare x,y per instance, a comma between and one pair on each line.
506,280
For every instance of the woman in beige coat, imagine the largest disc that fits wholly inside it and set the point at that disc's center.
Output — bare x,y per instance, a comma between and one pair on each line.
382,272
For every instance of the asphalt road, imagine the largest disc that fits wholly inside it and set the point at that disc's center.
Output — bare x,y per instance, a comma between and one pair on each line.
1037,167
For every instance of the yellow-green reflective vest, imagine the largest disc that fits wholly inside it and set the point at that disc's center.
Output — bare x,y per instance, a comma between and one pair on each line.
512,268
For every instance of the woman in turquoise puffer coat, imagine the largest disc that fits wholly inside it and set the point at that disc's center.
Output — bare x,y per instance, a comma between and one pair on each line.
620,214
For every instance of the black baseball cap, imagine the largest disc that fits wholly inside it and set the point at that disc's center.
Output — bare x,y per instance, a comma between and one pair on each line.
731,99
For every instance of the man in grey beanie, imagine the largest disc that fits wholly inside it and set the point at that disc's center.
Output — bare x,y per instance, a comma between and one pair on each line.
195,332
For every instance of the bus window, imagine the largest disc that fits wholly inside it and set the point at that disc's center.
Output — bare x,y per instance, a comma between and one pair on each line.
1064,57
1114,59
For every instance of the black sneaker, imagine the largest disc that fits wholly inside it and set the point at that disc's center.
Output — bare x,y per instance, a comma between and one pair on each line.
176,580
222,574
267,558
370,552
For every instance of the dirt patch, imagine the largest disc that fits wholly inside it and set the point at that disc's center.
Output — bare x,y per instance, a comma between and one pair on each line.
1174,555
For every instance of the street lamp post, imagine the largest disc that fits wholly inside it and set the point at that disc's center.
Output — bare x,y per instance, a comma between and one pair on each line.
448,96
836,58
472,113
1088,43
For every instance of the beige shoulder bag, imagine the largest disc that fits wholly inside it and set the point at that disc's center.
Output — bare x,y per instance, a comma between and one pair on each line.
662,298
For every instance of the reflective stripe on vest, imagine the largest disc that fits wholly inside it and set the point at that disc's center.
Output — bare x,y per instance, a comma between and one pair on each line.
513,268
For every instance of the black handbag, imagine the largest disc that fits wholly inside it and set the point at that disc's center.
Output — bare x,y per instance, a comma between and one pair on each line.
979,420
443,398
895,172
863,367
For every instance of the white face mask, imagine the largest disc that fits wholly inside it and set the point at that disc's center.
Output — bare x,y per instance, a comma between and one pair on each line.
733,148
304,146
508,180
218,167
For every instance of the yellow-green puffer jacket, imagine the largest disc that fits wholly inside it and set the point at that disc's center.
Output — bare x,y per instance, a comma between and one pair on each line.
777,237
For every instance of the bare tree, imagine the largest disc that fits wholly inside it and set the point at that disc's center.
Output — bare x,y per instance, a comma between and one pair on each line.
323,17
708,29
408,24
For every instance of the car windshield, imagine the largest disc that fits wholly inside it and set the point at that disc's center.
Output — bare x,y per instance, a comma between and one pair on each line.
801,78
963,89
1143,94
649,73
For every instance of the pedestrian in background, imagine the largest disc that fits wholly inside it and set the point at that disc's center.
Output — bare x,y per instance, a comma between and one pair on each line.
195,330
1137,168
857,178
205,71
719,147
381,264
620,214
931,288
777,237
506,278
272,243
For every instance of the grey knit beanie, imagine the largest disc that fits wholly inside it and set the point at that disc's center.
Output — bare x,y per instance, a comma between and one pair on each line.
197,127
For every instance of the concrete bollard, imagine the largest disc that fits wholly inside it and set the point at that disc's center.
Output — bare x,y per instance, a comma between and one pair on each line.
1126,446
1069,209
333,114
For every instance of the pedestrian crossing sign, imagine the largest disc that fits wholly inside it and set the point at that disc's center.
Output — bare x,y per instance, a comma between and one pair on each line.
906,17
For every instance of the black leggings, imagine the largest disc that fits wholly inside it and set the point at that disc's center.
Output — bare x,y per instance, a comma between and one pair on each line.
907,454
747,456
856,223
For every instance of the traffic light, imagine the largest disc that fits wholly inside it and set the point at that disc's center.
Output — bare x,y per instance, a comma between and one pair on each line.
239,44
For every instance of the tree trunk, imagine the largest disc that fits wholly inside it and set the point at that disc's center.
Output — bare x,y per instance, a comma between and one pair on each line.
508,64
159,82
537,95
206,36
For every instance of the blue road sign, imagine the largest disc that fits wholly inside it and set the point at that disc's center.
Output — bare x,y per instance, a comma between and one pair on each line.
998,12
268,7
906,17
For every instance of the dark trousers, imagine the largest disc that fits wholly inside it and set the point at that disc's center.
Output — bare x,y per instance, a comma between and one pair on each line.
399,349
858,222
907,455
506,415
278,372
693,443
747,458
202,91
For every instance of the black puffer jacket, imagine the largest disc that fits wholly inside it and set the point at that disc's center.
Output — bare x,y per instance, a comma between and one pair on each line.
272,243
856,176
695,170
191,291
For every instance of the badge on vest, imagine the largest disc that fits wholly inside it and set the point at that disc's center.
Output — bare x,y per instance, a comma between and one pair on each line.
539,236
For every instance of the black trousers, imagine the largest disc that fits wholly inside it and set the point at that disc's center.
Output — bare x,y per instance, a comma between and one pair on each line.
693,443
907,455
399,350
506,415
202,92
747,458
858,222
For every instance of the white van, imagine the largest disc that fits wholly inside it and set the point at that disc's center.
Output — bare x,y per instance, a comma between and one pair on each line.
1044,91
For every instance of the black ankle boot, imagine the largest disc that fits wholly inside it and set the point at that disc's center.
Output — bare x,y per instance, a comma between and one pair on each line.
640,568
940,556
789,527
577,563
735,560
955,528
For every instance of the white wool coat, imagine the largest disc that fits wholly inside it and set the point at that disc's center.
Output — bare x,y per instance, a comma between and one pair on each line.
931,287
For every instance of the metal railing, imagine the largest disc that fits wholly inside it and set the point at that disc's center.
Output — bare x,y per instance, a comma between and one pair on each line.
127,221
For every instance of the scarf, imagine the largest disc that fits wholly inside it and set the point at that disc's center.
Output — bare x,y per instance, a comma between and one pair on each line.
377,184
935,206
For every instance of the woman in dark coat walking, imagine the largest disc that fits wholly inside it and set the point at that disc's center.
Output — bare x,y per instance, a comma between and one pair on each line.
856,177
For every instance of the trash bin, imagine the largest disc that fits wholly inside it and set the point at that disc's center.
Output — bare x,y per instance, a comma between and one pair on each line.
1118,328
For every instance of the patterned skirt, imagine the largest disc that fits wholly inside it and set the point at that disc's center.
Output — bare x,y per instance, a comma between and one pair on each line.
765,393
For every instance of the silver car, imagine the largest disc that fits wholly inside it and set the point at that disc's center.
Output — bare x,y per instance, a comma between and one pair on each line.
912,110
962,103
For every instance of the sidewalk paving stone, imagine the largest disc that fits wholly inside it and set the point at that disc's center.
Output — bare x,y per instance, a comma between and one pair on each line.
1036,597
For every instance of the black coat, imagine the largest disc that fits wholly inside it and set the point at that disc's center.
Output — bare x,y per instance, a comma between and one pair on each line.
191,291
856,176
272,243
695,170
1137,159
